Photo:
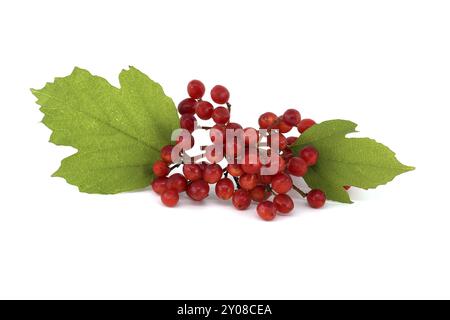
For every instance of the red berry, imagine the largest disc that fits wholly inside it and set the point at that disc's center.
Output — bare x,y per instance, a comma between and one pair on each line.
281,183
187,106
195,89
220,94
316,198
198,190
282,142
248,181
241,199
266,210
212,173
283,203
259,194
347,187
224,189
166,153
187,121
283,126
235,169
251,165
233,126
160,168
221,115
192,171
265,179
170,197
310,155
177,182
305,124
291,140
292,117
287,154
266,120
204,110
297,167
159,185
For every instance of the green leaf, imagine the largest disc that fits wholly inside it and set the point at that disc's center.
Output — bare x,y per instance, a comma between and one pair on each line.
359,162
118,132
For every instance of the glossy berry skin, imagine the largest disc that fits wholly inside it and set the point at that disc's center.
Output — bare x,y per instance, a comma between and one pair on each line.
265,179
283,127
198,190
177,182
291,140
159,185
267,120
316,198
221,115
287,154
166,153
195,89
212,173
233,126
292,117
204,110
224,189
248,181
187,106
259,194
283,203
266,210
220,94
160,168
241,199
235,169
281,183
170,197
310,155
297,167
305,124
251,165
187,121
347,187
282,141
192,171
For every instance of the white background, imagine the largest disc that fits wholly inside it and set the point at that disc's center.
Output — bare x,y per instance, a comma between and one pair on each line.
382,64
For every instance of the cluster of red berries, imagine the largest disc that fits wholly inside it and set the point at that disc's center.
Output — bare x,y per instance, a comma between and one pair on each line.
240,181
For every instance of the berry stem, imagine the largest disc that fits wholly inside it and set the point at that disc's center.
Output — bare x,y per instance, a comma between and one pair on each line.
303,194
236,180
175,166
206,128
229,108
